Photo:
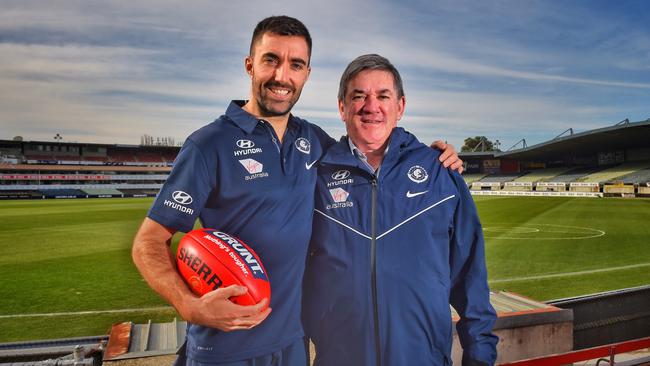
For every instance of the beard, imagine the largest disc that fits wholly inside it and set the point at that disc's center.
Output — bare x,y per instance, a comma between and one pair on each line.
270,108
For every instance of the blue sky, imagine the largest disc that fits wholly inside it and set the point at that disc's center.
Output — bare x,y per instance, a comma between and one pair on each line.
110,71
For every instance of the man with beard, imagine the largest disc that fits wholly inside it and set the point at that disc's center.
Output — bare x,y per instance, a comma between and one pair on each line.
251,173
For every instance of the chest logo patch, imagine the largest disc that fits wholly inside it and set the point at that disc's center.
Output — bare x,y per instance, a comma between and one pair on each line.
417,174
245,144
340,198
339,194
247,147
340,177
254,168
251,165
340,174
303,145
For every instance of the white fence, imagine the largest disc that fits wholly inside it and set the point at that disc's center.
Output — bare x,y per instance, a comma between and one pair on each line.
532,193
56,176
492,185
31,187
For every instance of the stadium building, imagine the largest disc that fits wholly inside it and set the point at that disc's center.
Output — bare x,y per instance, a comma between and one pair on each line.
39,169
610,161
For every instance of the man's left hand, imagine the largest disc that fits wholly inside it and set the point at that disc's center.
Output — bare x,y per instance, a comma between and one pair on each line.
449,156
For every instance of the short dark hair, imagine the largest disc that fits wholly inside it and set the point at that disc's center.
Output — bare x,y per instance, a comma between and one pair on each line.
369,62
281,25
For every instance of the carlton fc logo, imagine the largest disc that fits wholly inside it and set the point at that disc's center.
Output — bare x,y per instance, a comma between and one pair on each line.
340,174
417,174
245,144
182,197
303,145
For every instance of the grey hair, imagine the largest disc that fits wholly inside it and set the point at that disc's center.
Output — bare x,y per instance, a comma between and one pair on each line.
369,62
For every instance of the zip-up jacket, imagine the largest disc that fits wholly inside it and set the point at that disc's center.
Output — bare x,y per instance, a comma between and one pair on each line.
390,251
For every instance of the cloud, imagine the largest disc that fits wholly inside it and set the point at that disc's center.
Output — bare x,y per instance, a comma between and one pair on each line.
111,71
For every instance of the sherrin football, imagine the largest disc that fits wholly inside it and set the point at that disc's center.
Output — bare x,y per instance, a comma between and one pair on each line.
208,259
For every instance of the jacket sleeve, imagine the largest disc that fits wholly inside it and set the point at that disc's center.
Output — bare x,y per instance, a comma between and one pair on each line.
470,295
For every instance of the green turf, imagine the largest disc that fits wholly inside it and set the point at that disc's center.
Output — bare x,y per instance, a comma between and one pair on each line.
570,239
74,255
69,326
70,256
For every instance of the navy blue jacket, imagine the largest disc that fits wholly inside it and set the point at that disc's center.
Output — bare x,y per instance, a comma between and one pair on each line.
389,253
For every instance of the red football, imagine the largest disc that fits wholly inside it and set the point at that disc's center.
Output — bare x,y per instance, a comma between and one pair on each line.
208,259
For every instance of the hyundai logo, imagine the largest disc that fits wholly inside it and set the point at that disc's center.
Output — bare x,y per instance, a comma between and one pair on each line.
245,144
340,174
182,197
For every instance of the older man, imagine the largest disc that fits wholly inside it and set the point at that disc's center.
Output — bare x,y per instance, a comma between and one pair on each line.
396,239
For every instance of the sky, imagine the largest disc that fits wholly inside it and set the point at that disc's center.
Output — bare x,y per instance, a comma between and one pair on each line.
112,71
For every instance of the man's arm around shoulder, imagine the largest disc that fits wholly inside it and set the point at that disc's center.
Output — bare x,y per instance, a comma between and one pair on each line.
153,258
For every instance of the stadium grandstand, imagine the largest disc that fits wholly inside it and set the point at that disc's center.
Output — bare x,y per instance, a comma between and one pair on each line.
40,169
609,161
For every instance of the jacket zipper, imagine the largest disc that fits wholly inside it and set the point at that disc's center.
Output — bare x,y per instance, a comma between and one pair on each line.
373,268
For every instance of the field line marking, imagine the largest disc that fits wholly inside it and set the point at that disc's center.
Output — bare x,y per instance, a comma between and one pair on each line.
566,274
88,312
488,229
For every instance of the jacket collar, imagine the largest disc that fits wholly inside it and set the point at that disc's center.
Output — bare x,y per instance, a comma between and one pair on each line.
399,141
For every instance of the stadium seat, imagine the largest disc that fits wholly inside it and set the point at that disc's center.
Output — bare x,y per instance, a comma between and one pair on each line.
542,175
612,173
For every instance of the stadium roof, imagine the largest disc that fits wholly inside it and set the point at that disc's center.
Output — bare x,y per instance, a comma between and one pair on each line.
622,136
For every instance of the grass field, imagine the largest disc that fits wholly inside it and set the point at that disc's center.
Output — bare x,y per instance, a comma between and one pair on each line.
72,256
553,247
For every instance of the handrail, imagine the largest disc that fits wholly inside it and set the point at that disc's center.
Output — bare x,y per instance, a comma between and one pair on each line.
608,350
